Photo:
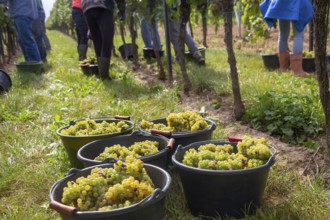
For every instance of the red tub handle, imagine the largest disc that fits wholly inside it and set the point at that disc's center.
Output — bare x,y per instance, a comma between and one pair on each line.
123,117
68,210
164,133
170,143
234,139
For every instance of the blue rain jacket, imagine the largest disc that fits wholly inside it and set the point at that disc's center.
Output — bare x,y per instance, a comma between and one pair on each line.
298,11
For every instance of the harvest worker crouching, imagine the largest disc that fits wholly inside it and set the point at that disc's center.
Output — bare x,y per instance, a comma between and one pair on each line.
298,13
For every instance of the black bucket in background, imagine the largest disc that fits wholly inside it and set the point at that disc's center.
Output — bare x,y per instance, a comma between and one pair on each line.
271,61
221,192
149,53
129,50
151,208
88,152
308,64
5,82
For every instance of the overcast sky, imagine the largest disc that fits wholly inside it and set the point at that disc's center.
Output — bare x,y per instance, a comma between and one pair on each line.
48,5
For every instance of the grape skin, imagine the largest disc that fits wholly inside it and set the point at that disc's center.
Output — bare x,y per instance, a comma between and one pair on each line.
90,127
109,188
252,152
178,122
138,149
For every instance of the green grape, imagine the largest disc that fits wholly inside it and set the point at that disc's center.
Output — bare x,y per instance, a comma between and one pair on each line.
178,122
252,152
109,188
90,127
138,149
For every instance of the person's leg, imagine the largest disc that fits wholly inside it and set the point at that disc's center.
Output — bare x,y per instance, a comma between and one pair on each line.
26,40
296,55
283,48
193,49
37,33
81,30
146,33
92,21
174,35
106,25
157,37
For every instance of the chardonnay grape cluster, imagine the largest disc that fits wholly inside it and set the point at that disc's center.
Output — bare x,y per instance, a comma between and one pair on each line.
178,122
109,188
138,149
251,152
90,127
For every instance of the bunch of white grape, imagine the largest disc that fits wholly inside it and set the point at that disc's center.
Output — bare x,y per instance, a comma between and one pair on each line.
90,127
109,188
251,152
178,122
138,149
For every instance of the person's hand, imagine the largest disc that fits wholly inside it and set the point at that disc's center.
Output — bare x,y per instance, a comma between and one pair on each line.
121,15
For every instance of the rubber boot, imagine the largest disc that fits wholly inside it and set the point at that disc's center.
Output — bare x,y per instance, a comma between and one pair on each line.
82,51
104,65
284,59
296,65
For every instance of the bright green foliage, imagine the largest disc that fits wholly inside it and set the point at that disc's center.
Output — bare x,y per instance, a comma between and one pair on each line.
289,116
60,17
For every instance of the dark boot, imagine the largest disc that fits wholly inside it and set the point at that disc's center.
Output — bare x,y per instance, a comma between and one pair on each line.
284,59
104,65
82,51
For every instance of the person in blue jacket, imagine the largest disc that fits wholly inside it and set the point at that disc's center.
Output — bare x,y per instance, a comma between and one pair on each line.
23,14
297,13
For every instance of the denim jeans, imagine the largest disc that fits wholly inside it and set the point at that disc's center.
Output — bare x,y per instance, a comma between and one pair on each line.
298,37
174,35
38,36
26,40
147,34
80,25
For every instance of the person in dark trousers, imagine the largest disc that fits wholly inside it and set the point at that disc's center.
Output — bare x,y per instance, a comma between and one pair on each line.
81,27
99,16
297,13
23,13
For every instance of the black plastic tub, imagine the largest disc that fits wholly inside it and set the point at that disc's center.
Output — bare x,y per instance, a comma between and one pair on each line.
221,192
270,61
88,152
73,143
5,82
183,138
126,51
149,53
151,208
308,64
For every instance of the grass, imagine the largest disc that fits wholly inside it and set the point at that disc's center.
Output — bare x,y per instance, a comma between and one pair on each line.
32,157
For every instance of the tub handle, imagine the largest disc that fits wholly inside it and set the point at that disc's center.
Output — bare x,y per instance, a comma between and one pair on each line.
68,210
234,139
72,171
164,133
170,143
122,117
109,160
154,196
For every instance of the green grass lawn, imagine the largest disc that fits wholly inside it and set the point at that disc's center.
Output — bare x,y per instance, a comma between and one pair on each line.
32,157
